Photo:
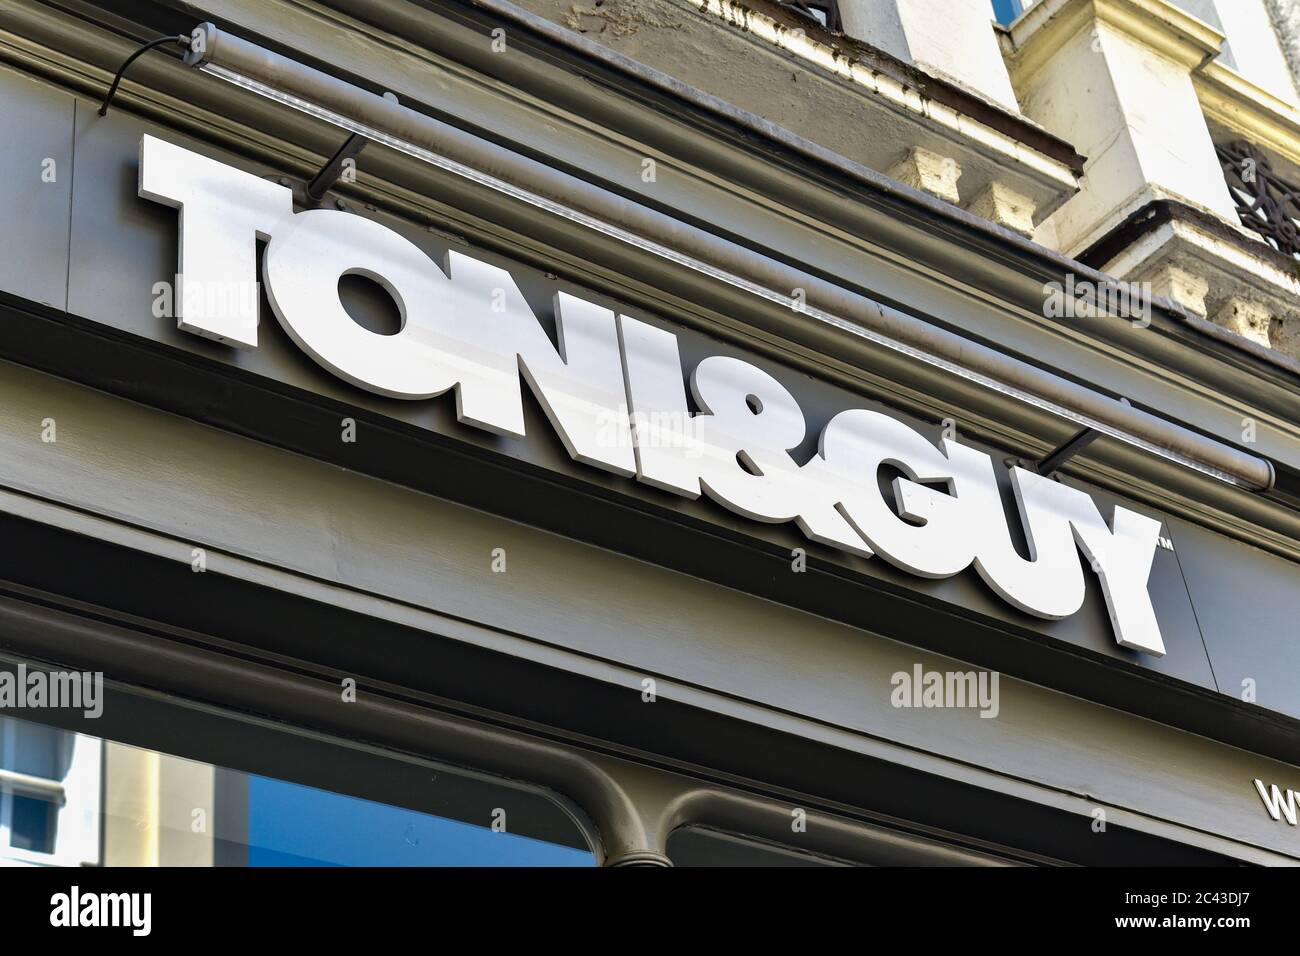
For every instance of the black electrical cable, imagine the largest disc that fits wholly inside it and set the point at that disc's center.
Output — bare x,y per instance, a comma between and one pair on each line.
180,39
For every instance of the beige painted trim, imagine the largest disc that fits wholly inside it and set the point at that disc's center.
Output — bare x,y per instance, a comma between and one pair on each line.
1252,112
1041,32
895,94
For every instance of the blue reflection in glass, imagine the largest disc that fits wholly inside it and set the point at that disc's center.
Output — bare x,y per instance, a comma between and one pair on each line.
31,824
1007,10
293,825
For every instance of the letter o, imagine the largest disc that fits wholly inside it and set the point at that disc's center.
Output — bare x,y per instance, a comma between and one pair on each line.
301,268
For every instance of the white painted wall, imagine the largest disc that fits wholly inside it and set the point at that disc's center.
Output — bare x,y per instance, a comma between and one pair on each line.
1252,47
954,39
1136,116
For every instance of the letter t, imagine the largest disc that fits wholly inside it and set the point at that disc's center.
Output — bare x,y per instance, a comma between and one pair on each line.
223,212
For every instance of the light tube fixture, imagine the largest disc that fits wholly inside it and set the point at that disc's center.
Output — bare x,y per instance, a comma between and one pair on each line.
1212,458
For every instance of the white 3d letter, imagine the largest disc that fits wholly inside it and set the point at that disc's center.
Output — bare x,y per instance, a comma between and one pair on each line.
666,453
855,444
303,264
1054,516
748,422
223,212
491,333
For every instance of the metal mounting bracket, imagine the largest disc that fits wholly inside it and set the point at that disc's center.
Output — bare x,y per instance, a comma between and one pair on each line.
1053,462
329,175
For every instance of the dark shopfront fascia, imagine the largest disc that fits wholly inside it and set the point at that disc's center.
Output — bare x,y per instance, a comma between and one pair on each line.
371,559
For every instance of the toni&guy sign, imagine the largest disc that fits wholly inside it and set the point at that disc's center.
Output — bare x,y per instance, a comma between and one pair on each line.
615,392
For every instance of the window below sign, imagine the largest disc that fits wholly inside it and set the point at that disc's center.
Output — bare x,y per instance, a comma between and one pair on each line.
165,810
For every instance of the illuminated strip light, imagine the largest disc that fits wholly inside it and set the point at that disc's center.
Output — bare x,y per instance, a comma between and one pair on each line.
704,268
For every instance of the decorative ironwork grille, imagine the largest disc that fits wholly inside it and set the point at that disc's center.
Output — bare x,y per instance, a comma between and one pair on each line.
1266,203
